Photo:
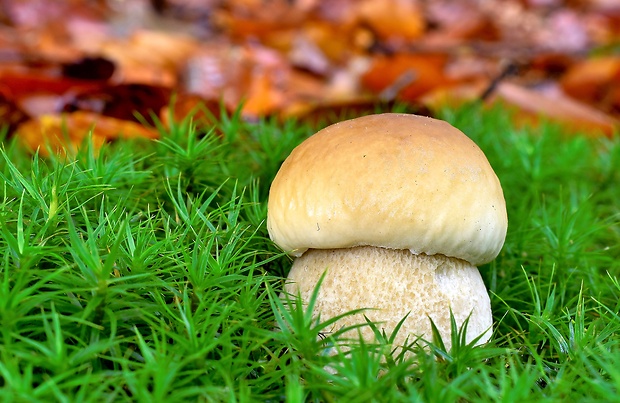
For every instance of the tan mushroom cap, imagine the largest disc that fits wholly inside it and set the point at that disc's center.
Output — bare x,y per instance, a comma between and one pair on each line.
396,181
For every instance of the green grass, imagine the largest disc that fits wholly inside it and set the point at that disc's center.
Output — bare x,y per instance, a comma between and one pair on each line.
145,273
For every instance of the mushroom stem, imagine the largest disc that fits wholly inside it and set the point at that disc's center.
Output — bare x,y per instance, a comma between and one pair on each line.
394,283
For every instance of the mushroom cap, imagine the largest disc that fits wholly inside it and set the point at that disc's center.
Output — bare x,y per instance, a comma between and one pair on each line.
397,181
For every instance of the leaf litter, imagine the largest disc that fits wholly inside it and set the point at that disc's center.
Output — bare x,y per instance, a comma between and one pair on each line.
112,64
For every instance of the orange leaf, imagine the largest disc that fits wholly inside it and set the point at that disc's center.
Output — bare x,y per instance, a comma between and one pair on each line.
68,130
454,96
406,76
122,101
19,85
554,105
392,18
592,79
200,109
263,97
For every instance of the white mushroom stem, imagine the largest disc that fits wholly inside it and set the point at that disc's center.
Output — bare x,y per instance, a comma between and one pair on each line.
394,283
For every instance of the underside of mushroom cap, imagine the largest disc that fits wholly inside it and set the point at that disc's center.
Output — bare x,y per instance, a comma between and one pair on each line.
394,283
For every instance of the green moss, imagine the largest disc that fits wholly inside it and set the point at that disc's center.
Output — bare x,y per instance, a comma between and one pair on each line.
144,272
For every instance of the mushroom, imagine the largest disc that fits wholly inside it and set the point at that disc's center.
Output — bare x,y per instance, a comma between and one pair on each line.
398,210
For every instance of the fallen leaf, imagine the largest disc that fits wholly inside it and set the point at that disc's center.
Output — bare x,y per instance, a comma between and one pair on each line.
405,76
252,74
67,131
18,85
203,112
241,20
457,22
454,96
282,56
593,80
123,101
555,105
392,19
149,57
335,40
263,96
37,13
11,115
320,114
563,31
89,68
305,54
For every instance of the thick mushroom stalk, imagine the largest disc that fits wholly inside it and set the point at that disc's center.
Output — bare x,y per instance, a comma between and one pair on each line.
395,283
400,210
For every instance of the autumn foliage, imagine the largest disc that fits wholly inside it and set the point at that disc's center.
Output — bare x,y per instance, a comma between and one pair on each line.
71,66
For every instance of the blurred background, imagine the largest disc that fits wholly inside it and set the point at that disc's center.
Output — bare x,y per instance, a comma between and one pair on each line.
110,61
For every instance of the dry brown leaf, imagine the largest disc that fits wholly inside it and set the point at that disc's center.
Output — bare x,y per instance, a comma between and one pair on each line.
134,102
263,96
37,13
306,54
457,22
253,74
336,41
254,19
202,111
454,96
11,115
574,115
406,76
213,72
392,19
592,80
280,56
68,131
319,114
303,85
19,85
150,57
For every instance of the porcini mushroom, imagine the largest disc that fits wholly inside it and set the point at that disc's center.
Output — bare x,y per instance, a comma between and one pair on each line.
399,210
